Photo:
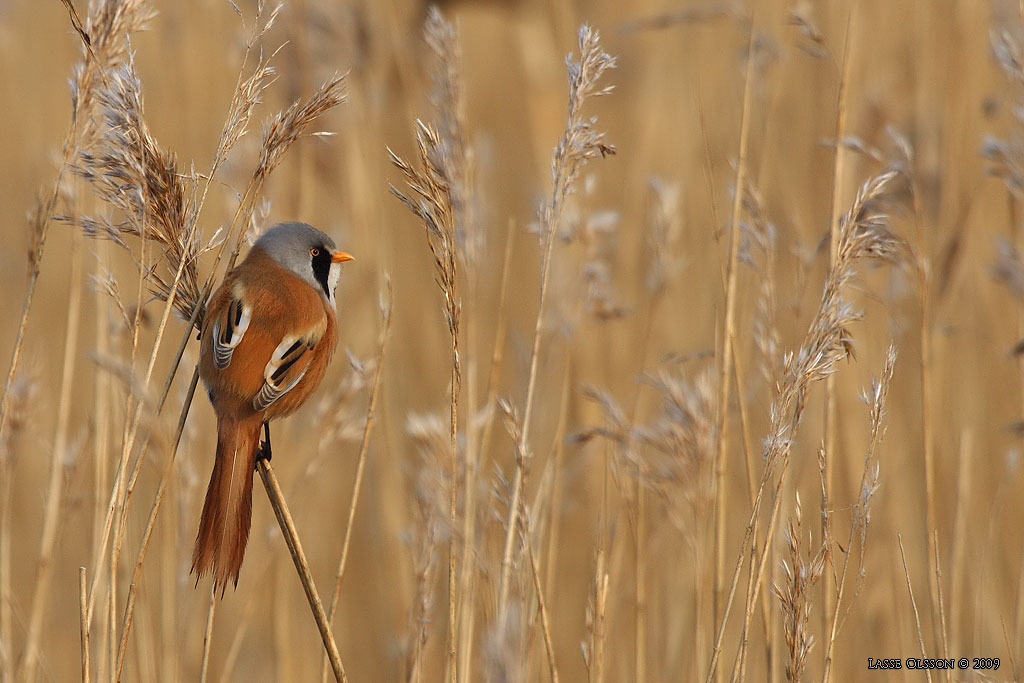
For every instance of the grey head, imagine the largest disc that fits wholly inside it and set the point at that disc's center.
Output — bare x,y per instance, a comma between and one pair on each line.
308,253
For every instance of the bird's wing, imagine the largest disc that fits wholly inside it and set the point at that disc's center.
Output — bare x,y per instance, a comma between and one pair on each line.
228,328
286,367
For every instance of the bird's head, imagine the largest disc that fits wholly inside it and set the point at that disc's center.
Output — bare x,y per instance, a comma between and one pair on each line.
308,253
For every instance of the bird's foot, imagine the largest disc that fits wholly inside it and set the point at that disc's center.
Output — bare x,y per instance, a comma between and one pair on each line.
263,452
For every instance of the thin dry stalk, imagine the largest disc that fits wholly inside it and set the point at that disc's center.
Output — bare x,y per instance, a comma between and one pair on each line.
876,401
284,519
549,648
382,341
473,469
662,232
596,621
21,395
102,395
922,262
942,606
437,195
579,143
728,335
960,535
83,623
474,447
55,490
913,603
758,563
640,586
767,621
122,522
514,428
204,665
864,235
557,489
831,405
454,162
431,201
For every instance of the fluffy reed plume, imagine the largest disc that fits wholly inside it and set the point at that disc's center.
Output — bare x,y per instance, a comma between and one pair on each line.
762,234
509,636
140,181
105,282
429,198
800,574
579,143
504,647
449,100
248,90
339,420
599,233
664,229
672,455
285,128
1008,268
1006,155
37,219
105,47
812,39
437,194
863,233
681,446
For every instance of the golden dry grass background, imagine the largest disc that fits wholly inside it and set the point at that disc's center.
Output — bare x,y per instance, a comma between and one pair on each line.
924,68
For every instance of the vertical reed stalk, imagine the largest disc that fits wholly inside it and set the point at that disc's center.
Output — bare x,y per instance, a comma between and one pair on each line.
204,662
55,489
578,144
728,335
831,406
83,623
913,603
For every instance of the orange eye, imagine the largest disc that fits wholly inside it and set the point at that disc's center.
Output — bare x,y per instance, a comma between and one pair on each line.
314,252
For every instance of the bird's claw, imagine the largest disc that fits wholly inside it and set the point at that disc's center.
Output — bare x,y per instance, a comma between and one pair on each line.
263,452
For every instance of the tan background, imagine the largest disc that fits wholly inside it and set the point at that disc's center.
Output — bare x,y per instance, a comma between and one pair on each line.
923,67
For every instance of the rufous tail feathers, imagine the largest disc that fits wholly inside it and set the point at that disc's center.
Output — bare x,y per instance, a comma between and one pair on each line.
227,512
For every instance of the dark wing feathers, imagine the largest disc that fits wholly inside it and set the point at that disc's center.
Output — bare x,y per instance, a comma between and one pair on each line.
228,329
287,365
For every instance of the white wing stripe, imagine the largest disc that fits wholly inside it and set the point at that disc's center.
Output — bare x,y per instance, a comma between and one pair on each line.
271,391
238,317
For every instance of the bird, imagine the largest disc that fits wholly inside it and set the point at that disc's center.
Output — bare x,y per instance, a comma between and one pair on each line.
267,338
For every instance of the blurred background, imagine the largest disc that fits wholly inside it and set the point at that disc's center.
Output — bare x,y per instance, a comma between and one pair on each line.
925,90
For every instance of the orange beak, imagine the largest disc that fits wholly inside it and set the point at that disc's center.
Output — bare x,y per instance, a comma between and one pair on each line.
341,257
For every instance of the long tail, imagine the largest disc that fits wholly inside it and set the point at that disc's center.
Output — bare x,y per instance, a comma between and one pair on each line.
227,512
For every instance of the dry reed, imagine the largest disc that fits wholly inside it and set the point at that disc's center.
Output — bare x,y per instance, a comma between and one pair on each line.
607,544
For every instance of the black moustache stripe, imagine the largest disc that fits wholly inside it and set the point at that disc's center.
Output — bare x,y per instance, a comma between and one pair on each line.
322,269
